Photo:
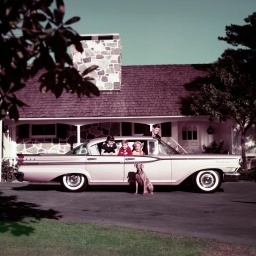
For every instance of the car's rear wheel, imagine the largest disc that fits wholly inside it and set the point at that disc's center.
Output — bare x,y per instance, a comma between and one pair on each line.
74,182
206,181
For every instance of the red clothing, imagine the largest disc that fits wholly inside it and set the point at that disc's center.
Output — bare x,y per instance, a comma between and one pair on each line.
128,152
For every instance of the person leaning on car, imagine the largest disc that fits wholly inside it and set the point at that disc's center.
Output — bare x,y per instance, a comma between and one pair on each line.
155,132
109,147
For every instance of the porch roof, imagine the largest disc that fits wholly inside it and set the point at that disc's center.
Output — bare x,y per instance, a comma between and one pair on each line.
146,91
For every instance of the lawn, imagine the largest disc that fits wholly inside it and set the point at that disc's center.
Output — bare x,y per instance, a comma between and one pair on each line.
53,237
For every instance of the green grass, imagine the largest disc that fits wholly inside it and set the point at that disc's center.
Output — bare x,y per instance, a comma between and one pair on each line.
52,237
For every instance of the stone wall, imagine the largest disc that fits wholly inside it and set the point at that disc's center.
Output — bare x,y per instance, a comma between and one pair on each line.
105,52
62,145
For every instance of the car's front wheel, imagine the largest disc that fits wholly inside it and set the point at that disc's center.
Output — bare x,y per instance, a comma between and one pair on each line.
74,182
206,181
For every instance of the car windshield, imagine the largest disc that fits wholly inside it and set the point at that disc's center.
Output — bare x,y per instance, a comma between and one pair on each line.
79,150
166,149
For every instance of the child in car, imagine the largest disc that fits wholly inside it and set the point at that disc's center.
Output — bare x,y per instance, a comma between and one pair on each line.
125,150
137,148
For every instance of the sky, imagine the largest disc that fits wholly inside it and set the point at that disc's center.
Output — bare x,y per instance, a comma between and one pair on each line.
156,32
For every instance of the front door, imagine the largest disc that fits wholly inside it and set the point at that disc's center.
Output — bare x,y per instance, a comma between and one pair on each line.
189,138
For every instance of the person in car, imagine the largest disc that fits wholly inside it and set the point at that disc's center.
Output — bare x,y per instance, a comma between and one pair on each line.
109,147
155,132
125,150
137,148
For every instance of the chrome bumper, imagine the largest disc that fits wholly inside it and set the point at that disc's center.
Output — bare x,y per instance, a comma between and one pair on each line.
231,176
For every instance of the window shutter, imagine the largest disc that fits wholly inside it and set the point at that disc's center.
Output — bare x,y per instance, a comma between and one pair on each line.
166,129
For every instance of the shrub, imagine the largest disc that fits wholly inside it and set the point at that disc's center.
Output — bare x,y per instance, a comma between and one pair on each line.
213,147
249,175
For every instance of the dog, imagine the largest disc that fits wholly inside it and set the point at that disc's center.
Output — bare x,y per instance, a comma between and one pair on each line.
142,180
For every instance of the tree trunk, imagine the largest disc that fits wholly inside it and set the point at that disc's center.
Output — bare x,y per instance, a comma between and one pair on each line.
243,133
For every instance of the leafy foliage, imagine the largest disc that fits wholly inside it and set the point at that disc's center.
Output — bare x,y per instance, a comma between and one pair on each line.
35,37
214,147
229,91
248,175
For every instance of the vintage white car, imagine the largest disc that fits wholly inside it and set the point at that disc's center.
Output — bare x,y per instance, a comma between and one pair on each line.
84,165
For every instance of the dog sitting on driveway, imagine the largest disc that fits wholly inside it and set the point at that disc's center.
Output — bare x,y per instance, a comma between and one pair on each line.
142,180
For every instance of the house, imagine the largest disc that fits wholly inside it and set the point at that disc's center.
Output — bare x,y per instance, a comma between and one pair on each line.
132,99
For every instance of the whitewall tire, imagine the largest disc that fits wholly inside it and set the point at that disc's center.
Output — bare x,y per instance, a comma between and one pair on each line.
74,182
206,181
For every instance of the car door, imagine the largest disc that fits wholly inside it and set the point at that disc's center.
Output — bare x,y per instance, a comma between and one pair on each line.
156,166
104,169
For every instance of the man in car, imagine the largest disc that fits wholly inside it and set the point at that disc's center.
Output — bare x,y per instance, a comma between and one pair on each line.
155,132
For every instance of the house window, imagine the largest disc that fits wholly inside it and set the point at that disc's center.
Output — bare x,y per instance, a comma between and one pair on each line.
23,131
166,129
126,129
189,132
140,128
43,131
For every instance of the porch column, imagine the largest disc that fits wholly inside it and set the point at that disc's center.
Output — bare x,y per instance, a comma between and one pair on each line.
78,132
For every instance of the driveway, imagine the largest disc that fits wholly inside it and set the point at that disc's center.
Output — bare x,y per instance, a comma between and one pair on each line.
227,215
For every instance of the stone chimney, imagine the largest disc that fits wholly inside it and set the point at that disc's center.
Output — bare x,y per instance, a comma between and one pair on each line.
103,50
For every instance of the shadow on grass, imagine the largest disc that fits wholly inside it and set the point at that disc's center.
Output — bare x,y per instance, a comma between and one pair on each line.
13,214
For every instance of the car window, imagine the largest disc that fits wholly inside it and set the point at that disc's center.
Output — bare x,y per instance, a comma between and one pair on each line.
94,150
144,146
165,149
79,150
152,147
131,142
118,145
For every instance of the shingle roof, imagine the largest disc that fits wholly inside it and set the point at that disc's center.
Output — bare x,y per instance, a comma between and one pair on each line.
150,90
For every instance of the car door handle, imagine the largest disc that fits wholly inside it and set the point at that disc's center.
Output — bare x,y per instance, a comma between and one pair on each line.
91,158
129,158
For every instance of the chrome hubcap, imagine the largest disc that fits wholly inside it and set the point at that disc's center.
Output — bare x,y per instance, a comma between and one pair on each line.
73,180
207,180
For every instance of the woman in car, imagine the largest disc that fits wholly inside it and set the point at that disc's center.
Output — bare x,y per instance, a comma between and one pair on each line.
137,148
109,147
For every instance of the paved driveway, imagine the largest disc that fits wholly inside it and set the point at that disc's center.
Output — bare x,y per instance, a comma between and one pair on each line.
228,215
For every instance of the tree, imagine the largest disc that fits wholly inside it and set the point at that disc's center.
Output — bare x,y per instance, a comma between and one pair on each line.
230,90
34,37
